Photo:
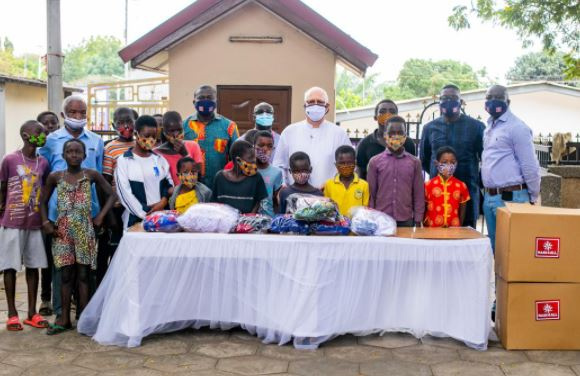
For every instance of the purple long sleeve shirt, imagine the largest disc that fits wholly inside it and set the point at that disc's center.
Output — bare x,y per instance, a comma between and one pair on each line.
397,186
508,155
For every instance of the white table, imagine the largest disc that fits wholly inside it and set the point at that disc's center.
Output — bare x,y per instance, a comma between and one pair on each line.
305,289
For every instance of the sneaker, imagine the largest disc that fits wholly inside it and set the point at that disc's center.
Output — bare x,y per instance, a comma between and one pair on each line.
45,308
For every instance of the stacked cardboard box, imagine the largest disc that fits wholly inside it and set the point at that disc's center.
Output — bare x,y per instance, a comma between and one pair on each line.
537,264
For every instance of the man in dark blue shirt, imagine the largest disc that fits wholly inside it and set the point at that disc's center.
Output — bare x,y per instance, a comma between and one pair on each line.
465,135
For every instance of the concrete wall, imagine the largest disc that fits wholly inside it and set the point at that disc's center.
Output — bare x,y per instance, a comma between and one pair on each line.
560,187
209,58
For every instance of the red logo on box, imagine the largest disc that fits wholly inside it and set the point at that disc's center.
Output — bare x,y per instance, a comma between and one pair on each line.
547,310
548,247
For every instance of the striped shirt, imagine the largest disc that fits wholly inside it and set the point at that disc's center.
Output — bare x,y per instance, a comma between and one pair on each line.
113,150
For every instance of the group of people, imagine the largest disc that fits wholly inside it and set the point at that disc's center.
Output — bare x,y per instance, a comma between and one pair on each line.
66,197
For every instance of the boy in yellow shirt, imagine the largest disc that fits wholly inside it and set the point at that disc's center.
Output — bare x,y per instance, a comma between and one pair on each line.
346,188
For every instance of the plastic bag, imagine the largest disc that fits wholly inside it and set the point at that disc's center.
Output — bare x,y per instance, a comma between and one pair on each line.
162,221
251,223
311,208
340,227
209,218
370,222
286,224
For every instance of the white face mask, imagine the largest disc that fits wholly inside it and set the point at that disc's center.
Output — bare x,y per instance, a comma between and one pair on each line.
75,124
315,112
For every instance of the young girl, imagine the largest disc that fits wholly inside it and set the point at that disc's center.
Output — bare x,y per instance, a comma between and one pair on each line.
190,191
241,187
174,148
300,169
74,245
445,195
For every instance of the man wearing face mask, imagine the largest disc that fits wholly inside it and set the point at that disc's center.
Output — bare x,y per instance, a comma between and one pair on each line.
314,136
214,133
74,113
374,143
263,120
510,170
465,135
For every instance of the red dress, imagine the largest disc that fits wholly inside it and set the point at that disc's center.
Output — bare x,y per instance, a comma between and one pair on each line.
443,199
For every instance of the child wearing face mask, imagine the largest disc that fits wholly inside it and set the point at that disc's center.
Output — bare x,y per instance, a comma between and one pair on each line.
264,145
445,195
346,188
300,169
190,191
241,187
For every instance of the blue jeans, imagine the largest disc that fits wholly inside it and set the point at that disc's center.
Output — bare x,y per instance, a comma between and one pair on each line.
490,205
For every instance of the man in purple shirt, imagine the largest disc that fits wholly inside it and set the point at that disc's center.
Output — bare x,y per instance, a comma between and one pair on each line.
510,170
395,179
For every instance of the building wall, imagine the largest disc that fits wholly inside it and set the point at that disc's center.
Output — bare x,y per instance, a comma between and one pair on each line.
209,58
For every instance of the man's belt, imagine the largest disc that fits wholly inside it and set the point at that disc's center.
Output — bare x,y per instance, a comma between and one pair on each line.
511,188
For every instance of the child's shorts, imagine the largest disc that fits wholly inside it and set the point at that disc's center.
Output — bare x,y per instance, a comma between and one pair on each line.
21,247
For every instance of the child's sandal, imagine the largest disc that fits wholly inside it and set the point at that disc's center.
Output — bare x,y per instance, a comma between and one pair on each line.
37,321
13,324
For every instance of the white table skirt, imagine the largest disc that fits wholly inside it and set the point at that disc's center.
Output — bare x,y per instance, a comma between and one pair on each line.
293,288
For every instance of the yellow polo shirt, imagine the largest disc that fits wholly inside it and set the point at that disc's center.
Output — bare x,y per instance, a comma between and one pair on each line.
357,193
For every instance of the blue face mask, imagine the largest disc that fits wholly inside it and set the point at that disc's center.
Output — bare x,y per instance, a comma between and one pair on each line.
205,107
496,107
265,119
450,108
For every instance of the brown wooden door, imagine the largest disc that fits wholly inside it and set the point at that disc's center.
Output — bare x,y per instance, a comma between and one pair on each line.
237,103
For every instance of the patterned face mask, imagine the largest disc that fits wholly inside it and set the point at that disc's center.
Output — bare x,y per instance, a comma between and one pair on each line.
446,169
301,177
263,155
173,139
395,142
37,141
345,169
382,118
189,179
146,143
248,169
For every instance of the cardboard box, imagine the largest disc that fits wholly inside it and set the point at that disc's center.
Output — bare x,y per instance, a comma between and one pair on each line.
537,244
438,233
538,316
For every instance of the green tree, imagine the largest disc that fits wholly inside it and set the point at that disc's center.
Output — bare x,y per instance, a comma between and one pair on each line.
95,57
536,66
8,45
352,91
21,66
555,23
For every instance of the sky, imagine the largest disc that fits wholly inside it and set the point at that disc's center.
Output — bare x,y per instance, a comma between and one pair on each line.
394,30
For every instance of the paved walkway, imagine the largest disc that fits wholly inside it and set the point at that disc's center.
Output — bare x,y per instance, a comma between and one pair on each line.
206,353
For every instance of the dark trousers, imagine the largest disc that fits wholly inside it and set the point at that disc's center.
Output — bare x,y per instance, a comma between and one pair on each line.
108,244
409,223
46,273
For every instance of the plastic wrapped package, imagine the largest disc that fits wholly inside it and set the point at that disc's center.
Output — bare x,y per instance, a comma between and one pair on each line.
286,224
252,223
162,221
340,227
370,222
209,218
311,208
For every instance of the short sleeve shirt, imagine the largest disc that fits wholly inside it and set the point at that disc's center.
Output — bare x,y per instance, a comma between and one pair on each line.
443,201
243,195
357,193
273,179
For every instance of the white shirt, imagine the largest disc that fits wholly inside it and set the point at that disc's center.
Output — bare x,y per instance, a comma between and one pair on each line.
319,143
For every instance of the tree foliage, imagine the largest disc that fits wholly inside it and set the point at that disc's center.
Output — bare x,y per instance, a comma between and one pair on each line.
555,23
95,57
25,65
536,66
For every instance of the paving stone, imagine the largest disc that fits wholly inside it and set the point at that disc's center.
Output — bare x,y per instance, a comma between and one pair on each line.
323,367
460,368
565,358
493,356
446,342
389,340
83,344
576,369
288,352
205,335
132,372
8,370
358,354
394,368
180,363
536,369
252,365
242,335
226,349
209,372
346,340
160,346
60,370
426,354
44,356
28,339
110,360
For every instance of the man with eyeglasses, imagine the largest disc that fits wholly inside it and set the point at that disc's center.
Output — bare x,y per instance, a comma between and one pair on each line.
464,134
510,170
263,116
374,143
314,136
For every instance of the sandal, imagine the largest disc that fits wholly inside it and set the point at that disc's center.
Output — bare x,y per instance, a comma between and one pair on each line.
54,329
37,321
45,309
13,324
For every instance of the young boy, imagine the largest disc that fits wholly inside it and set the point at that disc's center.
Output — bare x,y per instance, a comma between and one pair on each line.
190,191
264,144
22,175
346,188
49,121
300,169
446,195
396,180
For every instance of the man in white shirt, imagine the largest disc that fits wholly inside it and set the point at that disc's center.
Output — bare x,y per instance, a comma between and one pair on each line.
315,136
